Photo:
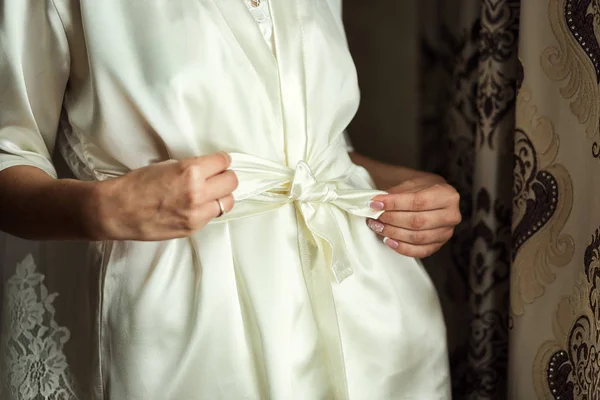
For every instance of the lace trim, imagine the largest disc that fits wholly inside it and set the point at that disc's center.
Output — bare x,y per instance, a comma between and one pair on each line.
71,150
262,15
32,354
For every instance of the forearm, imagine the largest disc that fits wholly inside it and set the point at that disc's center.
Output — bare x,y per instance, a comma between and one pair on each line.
35,206
385,175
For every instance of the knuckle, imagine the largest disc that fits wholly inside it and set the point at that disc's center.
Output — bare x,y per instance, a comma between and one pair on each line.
409,183
451,193
191,174
419,237
417,221
455,196
182,166
456,217
419,201
448,217
189,223
190,199
234,180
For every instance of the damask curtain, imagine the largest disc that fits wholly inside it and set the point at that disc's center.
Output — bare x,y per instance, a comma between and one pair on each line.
468,98
508,111
555,276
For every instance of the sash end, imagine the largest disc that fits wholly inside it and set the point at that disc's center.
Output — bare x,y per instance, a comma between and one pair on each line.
342,272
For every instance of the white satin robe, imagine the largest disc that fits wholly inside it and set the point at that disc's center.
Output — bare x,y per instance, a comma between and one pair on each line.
289,296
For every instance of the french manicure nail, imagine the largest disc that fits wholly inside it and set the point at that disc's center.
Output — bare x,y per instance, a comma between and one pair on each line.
391,243
375,226
377,205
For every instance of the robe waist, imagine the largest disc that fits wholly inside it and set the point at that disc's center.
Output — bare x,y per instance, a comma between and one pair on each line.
319,188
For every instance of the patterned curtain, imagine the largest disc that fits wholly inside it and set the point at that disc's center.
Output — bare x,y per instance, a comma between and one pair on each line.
468,94
510,108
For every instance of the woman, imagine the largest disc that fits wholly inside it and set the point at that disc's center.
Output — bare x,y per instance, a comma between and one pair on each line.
174,109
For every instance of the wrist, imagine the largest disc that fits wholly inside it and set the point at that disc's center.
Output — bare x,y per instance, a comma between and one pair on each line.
46,208
97,212
385,175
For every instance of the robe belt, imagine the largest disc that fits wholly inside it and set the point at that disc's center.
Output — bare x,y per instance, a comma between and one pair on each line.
265,185
324,197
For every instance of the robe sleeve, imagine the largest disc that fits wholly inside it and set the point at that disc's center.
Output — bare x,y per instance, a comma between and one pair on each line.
34,69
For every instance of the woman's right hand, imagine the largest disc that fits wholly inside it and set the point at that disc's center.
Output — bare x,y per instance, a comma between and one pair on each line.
162,201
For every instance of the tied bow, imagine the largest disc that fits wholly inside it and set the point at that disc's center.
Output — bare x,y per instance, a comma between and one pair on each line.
266,185
306,188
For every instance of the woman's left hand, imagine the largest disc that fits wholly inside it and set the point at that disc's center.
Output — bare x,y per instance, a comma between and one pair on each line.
420,215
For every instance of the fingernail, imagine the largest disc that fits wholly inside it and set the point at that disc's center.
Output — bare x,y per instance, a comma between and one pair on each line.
228,156
377,205
375,226
391,243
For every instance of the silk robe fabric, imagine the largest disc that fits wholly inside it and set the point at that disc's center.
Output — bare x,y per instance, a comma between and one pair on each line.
290,296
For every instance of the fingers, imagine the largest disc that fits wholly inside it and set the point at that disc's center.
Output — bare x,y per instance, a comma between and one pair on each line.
420,215
420,238
422,220
418,244
205,179
206,166
220,185
212,209
434,197
227,203
411,250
